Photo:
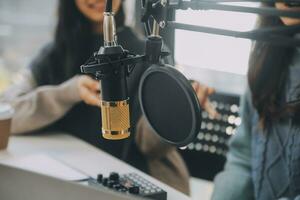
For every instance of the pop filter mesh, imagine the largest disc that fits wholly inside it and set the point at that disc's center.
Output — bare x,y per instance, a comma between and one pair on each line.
170,105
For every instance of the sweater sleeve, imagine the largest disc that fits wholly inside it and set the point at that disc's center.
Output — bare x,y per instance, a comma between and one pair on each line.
36,107
164,161
149,142
235,181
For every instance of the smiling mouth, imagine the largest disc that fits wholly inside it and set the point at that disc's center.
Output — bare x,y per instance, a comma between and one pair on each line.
97,6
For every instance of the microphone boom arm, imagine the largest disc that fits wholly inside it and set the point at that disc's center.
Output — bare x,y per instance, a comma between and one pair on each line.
157,10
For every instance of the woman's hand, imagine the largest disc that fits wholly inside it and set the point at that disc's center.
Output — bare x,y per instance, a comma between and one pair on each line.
203,92
89,90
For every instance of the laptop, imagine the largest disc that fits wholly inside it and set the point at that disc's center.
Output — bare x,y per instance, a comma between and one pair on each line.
19,184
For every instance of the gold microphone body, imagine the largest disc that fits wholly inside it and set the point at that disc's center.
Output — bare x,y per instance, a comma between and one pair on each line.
115,119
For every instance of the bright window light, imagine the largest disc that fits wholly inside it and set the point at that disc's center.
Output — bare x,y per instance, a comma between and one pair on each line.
214,52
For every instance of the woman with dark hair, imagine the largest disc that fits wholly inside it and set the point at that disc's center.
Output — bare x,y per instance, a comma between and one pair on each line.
263,161
53,96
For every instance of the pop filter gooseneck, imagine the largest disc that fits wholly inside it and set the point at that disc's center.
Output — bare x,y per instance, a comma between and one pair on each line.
170,104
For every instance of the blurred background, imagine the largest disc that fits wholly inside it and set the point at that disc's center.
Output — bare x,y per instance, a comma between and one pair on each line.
25,26
218,61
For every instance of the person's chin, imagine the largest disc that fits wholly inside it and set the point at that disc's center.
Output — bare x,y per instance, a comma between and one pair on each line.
96,18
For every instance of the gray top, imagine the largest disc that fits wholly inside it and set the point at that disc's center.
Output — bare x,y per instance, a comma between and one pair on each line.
263,165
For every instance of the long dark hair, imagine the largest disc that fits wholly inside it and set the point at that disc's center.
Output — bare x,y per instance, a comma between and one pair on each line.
267,75
74,36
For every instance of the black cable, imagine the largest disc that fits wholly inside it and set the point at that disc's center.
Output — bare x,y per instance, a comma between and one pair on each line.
108,7
147,28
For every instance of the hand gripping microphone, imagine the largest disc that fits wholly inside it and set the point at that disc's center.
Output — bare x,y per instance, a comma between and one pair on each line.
106,66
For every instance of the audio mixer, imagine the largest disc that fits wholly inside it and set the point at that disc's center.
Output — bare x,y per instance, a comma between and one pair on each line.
130,183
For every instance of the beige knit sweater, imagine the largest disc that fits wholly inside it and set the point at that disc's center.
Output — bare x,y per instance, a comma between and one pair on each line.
37,107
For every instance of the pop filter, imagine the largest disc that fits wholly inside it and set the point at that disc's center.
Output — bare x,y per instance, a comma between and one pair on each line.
170,104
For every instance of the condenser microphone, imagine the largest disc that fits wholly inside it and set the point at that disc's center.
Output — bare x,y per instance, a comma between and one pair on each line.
112,65
115,99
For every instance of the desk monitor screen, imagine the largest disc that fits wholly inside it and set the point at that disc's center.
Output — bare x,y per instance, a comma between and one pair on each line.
19,184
